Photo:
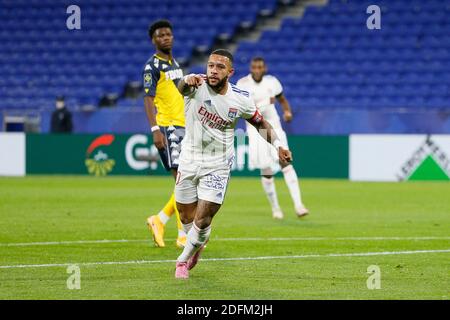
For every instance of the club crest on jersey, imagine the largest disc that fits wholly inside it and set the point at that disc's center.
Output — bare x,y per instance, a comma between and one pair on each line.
147,79
207,103
232,113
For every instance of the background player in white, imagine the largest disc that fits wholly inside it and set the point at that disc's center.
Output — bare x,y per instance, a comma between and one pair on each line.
264,90
212,108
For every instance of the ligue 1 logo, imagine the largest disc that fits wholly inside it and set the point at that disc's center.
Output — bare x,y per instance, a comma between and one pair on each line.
98,163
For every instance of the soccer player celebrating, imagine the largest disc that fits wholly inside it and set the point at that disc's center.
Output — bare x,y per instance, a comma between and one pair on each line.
212,106
264,89
164,106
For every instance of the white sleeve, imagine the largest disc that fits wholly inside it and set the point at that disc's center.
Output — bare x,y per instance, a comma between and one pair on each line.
248,108
277,87
196,91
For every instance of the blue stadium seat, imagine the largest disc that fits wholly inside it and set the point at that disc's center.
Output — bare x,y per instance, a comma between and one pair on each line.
405,64
111,46
326,59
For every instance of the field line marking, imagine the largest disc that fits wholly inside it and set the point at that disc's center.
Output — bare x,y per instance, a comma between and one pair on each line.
51,243
361,254
331,238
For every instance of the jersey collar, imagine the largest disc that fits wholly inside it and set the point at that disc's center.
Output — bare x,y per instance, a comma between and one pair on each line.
161,58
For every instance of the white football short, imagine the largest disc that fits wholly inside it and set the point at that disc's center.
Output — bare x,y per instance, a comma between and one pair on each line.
196,182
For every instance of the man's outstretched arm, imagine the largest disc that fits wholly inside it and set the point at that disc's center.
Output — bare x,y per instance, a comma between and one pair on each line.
189,83
268,133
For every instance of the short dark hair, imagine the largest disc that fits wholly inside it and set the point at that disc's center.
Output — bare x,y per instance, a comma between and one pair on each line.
157,25
223,52
258,58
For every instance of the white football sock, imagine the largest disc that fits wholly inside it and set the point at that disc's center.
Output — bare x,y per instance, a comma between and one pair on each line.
196,237
290,176
186,227
163,217
269,187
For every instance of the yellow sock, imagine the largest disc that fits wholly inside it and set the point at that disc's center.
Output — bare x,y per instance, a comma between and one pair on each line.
169,208
181,232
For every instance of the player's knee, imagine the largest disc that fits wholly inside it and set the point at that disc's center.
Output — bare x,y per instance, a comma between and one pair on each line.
184,219
203,222
187,212
182,211
267,173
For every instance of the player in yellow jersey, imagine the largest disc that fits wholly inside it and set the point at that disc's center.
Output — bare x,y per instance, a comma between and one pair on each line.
164,106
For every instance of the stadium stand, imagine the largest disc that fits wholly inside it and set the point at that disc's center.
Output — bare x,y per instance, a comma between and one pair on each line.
41,58
328,60
333,68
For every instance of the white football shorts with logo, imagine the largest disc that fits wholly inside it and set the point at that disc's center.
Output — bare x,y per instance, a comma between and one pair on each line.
196,182
261,154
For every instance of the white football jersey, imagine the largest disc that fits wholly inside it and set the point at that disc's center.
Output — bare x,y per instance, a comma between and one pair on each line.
263,94
210,122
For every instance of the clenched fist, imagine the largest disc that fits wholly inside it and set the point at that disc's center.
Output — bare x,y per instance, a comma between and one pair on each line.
193,80
284,155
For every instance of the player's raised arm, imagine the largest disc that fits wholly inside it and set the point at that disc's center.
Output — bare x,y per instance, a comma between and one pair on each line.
268,133
189,83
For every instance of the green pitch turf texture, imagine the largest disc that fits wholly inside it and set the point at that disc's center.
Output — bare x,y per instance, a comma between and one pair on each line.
310,260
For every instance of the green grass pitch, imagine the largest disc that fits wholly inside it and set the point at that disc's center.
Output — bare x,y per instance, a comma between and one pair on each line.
249,256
